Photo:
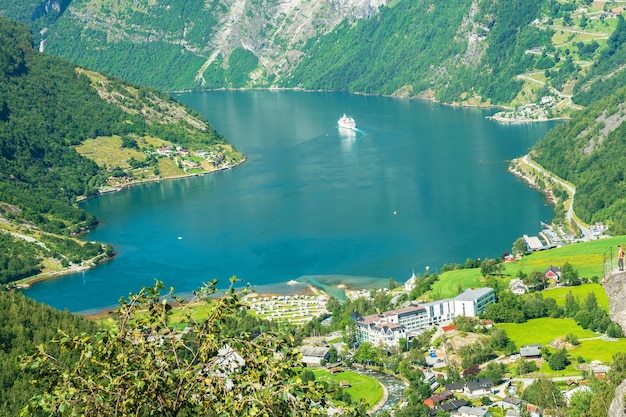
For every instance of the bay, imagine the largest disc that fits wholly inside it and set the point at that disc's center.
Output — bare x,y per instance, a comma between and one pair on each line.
415,186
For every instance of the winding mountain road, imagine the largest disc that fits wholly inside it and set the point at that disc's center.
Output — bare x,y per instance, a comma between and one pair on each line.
587,235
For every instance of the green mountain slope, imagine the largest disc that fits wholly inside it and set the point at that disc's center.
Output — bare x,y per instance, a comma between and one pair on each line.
589,151
510,53
47,108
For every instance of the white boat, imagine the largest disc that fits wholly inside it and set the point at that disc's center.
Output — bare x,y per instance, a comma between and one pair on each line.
346,122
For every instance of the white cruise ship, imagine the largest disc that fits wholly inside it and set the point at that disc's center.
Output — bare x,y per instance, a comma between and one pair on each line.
346,122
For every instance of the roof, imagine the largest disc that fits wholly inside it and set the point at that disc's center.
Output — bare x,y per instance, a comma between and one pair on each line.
472,294
479,385
533,242
554,270
316,351
512,400
403,311
452,405
455,386
473,411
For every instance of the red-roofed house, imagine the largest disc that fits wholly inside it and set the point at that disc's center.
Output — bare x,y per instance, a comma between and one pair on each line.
553,273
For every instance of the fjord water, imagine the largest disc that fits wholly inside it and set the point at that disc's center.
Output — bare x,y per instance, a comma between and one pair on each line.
417,185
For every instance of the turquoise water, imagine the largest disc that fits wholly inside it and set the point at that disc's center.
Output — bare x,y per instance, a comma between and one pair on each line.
416,185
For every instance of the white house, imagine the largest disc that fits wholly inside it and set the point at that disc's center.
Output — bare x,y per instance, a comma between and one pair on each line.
518,287
480,388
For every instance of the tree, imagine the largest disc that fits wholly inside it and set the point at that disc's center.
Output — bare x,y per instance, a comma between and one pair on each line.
519,246
149,363
569,276
525,367
393,284
544,393
571,304
494,371
491,266
536,280
558,360
580,404
332,354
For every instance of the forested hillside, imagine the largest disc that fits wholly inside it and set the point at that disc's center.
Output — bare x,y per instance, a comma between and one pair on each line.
514,53
47,107
450,51
24,324
589,151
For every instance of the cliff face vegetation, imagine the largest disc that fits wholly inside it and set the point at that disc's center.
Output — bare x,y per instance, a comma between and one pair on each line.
470,52
48,110
182,45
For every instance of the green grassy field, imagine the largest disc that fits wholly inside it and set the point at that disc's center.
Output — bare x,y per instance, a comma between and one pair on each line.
580,292
545,330
587,258
361,386
447,286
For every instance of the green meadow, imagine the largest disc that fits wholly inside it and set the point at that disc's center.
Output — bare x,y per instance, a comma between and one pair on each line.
361,386
545,330
448,284
580,292
587,258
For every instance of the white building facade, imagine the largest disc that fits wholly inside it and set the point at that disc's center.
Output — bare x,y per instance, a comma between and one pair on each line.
388,328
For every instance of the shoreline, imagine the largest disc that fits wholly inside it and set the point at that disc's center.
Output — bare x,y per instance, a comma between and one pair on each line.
516,169
27,282
308,290
521,120
114,189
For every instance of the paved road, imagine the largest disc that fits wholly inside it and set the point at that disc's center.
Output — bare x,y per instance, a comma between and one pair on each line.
570,189
528,381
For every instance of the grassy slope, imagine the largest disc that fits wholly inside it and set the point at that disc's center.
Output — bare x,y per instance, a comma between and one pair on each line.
587,258
546,330
361,386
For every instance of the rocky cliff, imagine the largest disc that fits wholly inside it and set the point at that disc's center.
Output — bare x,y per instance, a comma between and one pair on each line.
615,287
275,31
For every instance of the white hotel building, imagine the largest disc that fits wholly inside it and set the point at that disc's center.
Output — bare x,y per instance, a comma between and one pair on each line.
389,327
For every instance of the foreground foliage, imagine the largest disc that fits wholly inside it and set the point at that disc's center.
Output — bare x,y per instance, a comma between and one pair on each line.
148,364
24,324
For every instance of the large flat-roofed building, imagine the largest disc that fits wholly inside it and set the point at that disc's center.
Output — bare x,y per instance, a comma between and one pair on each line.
388,328
473,301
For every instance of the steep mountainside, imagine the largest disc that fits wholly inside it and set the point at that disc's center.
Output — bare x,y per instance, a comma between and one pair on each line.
179,44
50,113
532,53
589,152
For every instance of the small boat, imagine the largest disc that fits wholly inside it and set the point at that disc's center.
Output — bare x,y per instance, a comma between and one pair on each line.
346,122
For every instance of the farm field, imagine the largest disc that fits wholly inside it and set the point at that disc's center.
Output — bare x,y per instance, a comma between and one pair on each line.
587,258
546,330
